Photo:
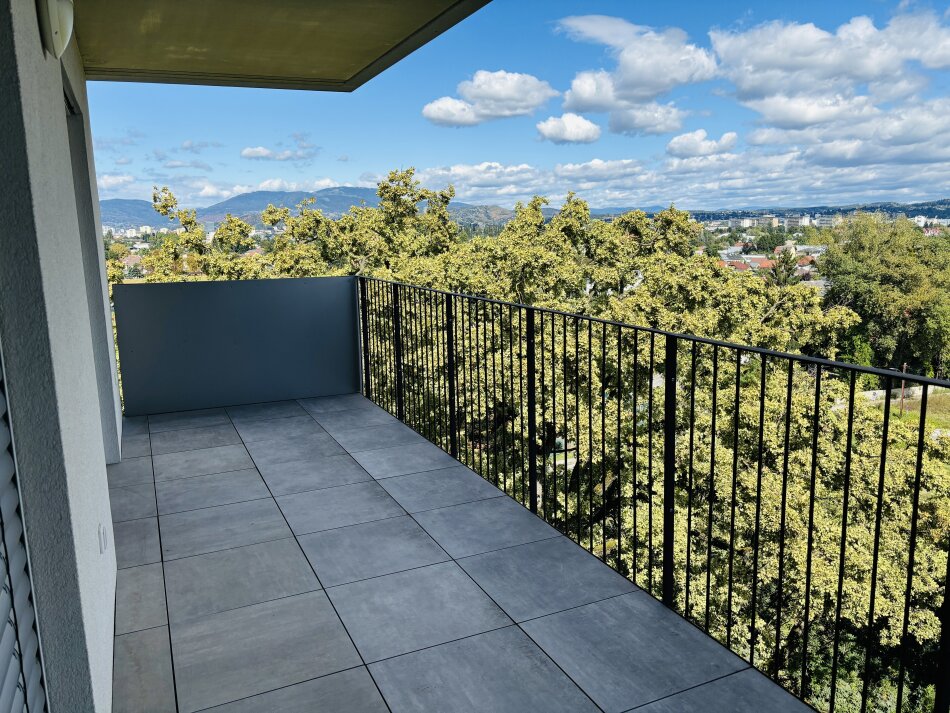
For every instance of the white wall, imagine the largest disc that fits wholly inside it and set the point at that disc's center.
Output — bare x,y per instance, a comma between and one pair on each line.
46,306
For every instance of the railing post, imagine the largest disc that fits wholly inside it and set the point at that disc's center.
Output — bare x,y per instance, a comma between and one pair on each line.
364,337
532,416
397,354
942,692
669,466
450,365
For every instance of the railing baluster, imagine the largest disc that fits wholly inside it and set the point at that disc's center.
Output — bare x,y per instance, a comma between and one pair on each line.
397,347
453,386
669,468
364,337
406,367
532,416
912,543
753,632
816,424
942,692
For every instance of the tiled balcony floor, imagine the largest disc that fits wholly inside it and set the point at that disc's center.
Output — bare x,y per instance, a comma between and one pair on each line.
319,555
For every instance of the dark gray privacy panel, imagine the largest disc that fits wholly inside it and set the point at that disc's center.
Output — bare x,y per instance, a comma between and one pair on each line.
190,345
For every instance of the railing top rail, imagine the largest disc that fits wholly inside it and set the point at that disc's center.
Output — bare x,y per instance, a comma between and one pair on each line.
825,363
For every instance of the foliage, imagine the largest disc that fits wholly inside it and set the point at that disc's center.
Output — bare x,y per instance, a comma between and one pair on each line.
761,456
898,280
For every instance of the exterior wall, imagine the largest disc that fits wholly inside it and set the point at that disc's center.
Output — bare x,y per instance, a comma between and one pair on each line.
191,345
54,394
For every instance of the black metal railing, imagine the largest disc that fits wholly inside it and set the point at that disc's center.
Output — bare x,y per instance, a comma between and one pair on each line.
767,497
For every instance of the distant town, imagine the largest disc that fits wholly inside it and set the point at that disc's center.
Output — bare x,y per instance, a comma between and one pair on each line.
743,240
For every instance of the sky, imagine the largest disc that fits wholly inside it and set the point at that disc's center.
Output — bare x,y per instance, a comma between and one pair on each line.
627,103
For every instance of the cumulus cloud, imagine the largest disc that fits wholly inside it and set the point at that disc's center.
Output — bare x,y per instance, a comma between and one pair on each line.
279,184
110,181
196,147
569,129
696,143
644,119
490,95
302,152
199,165
649,64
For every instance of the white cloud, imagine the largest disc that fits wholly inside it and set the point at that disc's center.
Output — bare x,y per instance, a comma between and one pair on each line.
591,91
256,152
649,64
598,170
304,151
449,111
190,146
695,143
490,95
652,118
569,128
279,184
110,181
200,165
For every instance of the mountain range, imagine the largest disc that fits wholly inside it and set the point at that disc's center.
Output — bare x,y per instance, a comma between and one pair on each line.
123,213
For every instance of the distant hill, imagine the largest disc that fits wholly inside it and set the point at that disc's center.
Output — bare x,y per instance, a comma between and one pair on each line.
122,213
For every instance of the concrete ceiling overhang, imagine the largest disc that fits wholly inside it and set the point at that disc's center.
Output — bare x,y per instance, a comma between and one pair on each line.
334,45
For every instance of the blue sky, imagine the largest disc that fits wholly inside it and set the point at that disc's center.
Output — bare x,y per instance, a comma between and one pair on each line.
626,103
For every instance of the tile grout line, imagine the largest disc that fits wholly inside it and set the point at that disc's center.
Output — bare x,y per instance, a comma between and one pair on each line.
747,667
329,600
514,623
161,555
540,648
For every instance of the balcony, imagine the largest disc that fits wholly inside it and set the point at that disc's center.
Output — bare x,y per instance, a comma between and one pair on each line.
476,506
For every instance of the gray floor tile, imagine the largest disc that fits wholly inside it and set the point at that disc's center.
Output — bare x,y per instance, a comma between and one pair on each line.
297,476
630,650
190,439
198,531
341,421
187,419
131,471
283,449
343,402
439,488
351,691
402,460
255,649
317,510
398,613
201,462
375,437
139,598
134,425
142,673
499,671
264,411
208,490
206,584
135,446
276,427
136,542
369,550
132,502
483,526
744,692
544,577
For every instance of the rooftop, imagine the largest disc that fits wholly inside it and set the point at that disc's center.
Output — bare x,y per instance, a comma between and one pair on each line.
320,555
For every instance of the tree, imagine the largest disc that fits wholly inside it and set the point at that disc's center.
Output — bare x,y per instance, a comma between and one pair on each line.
898,280
783,272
